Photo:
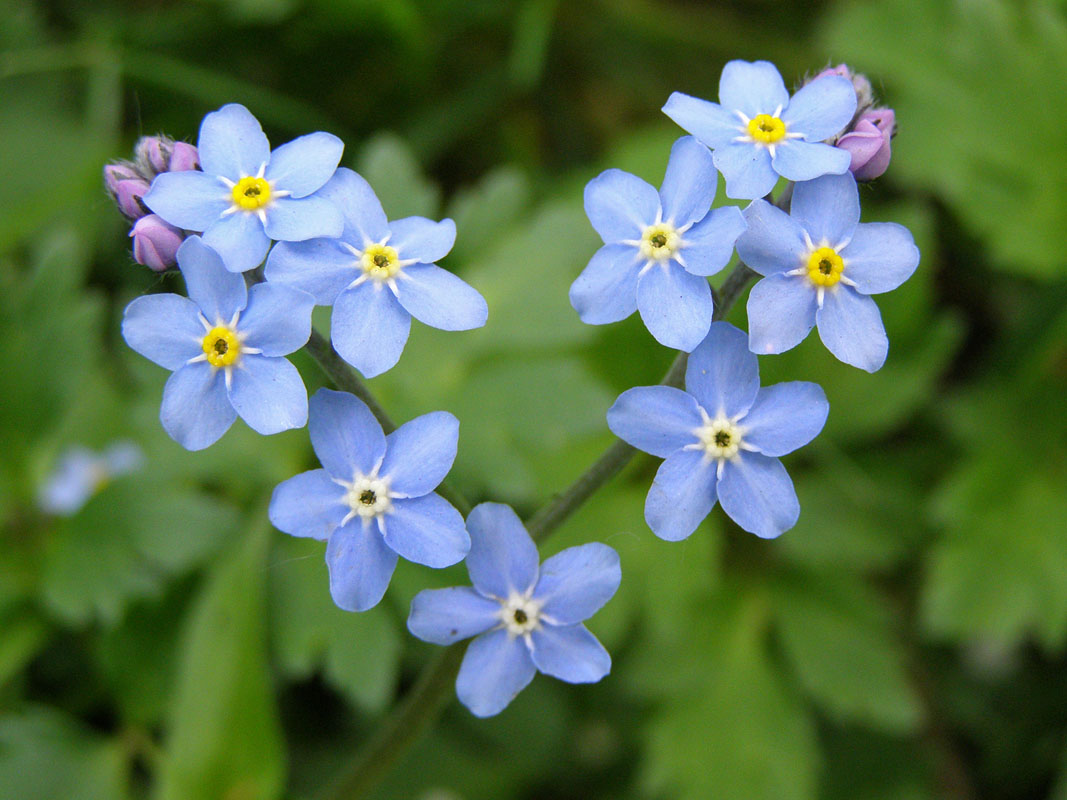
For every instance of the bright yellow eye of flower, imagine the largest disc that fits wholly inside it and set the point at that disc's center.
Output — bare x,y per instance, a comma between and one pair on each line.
221,346
825,266
380,261
251,193
765,128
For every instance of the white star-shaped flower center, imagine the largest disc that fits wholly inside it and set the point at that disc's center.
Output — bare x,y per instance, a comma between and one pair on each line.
367,496
520,614
721,438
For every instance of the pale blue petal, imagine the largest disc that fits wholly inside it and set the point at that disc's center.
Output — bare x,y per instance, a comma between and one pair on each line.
365,221
821,109
303,165
239,240
269,394
712,124
709,244
196,411
620,205
606,291
321,267
880,257
781,313
419,454
503,558
445,616
438,298
422,239
191,199
747,170
71,484
689,185
495,669
655,419
277,319
570,653
722,374
426,530
123,457
344,434
828,208
798,160
577,582
218,292
850,326
682,494
310,504
369,327
290,220
785,416
774,241
675,306
232,143
753,88
757,494
360,566
164,328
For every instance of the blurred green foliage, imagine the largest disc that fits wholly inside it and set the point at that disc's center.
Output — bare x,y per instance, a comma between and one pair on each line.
905,641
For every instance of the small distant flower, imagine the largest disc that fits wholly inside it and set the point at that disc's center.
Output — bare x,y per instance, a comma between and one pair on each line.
659,248
373,500
247,195
525,619
225,344
821,264
81,473
868,142
377,276
155,243
721,439
759,133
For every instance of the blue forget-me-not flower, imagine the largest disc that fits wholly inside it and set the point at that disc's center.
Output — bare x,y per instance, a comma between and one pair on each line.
225,343
247,195
758,132
721,439
659,248
821,264
378,275
373,499
525,618
80,473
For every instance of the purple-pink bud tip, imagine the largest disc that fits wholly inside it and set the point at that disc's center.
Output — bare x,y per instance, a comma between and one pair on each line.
869,143
155,242
183,157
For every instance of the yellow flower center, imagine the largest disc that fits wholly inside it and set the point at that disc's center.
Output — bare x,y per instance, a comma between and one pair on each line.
221,346
765,128
251,193
825,266
380,262
659,242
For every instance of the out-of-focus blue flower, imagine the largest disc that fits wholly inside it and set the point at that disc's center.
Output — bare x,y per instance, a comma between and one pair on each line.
758,132
80,473
225,344
373,499
659,248
821,264
247,195
721,439
377,276
525,618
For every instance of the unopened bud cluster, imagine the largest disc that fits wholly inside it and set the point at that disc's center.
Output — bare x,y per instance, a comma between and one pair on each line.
867,137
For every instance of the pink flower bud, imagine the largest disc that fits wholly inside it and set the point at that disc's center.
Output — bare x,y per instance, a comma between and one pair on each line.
126,192
153,153
183,157
155,242
868,142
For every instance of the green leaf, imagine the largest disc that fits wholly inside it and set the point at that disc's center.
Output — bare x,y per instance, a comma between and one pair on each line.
390,167
486,210
22,634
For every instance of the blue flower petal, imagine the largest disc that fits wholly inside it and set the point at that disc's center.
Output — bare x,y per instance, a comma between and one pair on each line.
269,394
445,616
655,419
821,109
781,313
196,411
503,558
804,161
880,257
360,566
438,298
785,416
239,240
426,530
747,170
709,244
675,306
365,221
774,241
303,165
570,653
344,434
682,494
164,328
277,319
218,293
577,582
620,205
689,185
422,239
290,220
496,667
310,504
369,328
757,494
828,208
850,326
232,143
712,124
321,267
753,88
722,374
606,291
419,454
190,199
